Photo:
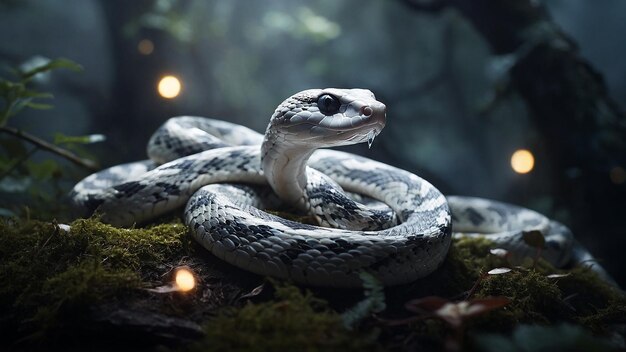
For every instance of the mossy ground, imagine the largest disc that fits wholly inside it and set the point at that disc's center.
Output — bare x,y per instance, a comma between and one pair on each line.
68,289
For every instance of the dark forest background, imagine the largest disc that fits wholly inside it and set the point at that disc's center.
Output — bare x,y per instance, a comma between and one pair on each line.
466,83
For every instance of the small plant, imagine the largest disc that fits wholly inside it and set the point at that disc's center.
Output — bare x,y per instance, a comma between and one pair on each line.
496,271
374,302
18,172
18,95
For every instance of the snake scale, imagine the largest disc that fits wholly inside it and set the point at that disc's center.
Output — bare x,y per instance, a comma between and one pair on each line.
372,217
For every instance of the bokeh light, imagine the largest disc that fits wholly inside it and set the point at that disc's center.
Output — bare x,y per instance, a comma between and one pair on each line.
618,175
145,47
185,280
522,161
169,87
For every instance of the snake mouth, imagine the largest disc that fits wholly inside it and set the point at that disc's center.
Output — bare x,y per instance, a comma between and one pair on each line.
339,129
361,129
330,136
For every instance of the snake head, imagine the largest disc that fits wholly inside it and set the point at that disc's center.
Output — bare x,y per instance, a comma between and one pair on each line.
328,117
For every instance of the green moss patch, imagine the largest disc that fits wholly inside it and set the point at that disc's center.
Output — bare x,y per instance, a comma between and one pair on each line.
578,297
292,321
52,280
50,277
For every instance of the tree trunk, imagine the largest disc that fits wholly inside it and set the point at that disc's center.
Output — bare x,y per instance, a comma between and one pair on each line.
583,128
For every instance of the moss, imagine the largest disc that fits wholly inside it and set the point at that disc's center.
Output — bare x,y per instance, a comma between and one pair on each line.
137,249
474,253
48,273
597,305
534,299
52,278
580,297
466,260
292,321
64,299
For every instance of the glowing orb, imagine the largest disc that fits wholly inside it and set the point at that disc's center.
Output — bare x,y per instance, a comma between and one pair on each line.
522,161
618,175
185,280
169,87
145,47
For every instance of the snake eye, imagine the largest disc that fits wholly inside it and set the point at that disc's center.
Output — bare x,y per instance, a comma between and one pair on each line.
328,104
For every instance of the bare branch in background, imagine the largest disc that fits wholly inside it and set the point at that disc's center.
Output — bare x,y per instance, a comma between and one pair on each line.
42,144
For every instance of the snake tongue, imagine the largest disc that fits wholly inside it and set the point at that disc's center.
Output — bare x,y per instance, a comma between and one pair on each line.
370,137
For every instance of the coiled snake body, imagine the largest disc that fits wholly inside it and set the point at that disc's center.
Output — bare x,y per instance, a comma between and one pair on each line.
219,171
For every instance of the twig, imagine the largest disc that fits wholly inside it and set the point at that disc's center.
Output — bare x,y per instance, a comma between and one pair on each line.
471,292
86,163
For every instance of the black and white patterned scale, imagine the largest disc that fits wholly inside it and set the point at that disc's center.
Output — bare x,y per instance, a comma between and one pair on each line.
216,170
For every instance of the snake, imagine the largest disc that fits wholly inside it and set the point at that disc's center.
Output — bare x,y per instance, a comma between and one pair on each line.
366,216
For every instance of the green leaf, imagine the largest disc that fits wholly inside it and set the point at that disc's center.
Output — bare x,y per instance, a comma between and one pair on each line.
39,106
65,63
60,138
19,105
52,65
35,94
7,87
43,170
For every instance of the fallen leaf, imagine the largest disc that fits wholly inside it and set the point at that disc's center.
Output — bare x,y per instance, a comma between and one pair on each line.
499,271
164,289
499,252
556,276
255,292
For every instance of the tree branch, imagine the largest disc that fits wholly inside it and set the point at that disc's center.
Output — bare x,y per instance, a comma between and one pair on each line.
42,144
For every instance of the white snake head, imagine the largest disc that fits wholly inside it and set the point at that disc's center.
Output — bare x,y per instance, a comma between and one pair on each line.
328,117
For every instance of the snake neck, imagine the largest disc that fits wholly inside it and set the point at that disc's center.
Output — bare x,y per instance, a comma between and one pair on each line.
284,167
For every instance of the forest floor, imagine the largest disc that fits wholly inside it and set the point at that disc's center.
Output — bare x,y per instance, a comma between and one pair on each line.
97,287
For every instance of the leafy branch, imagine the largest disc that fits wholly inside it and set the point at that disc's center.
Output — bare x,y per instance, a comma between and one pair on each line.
44,145
17,95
